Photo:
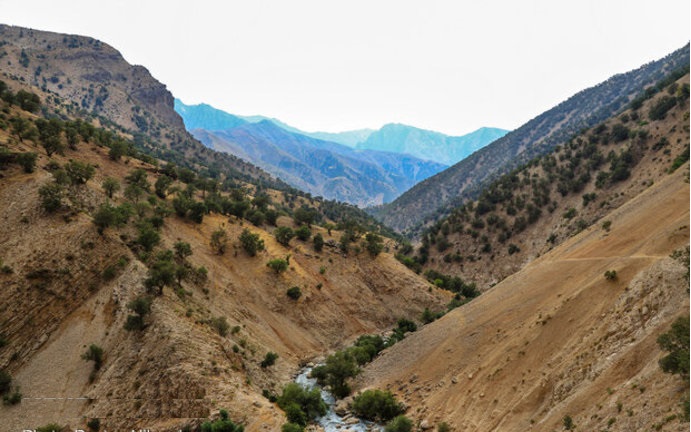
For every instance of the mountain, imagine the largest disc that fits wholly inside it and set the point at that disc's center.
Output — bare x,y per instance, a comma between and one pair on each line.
527,212
429,145
559,346
430,199
395,138
205,116
135,290
320,167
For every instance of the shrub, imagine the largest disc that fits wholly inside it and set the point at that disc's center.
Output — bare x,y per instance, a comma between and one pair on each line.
51,196
220,324
79,172
5,382
318,241
278,265
94,353
291,427
269,359
223,424
611,275
27,161
676,343
94,424
375,244
13,398
300,404
284,235
399,424
51,427
294,292
250,242
219,240
568,423
376,405
659,109
303,233
141,306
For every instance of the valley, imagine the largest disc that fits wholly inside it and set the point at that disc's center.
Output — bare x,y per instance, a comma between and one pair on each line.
164,279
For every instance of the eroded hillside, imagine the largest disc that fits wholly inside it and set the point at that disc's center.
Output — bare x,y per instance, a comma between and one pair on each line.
213,317
529,211
558,339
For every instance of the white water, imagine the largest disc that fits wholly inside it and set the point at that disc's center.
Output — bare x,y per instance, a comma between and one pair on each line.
332,422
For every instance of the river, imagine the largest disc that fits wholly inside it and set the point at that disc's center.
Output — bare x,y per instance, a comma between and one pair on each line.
332,422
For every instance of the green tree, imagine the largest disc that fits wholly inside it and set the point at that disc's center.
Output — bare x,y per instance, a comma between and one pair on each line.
376,405
108,215
95,354
161,272
294,292
27,101
182,250
27,161
336,371
284,235
79,172
269,359
162,184
303,233
300,404
110,186
251,242
50,135
138,177
278,265
318,241
148,237
141,306
51,196
399,424
375,244
118,149
676,343
219,240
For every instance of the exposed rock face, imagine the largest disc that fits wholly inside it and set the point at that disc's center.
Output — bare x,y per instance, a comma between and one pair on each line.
63,64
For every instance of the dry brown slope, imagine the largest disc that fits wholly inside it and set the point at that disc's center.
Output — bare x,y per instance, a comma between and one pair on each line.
179,370
558,339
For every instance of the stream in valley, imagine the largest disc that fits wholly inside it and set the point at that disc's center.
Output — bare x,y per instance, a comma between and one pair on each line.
332,422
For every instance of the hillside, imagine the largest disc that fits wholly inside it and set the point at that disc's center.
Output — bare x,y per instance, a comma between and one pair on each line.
79,267
322,168
429,200
525,213
558,339
79,76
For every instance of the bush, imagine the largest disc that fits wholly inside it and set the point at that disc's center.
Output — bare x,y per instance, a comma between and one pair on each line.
676,343
376,405
52,427
94,424
318,241
220,324
51,196
291,427
27,161
5,382
284,235
659,109
141,306
250,242
79,172
219,240
278,265
94,353
294,292
301,405
611,275
269,359
303,233
399,424
12,399
223,424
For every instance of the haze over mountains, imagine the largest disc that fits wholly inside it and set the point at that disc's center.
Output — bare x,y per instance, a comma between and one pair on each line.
360,167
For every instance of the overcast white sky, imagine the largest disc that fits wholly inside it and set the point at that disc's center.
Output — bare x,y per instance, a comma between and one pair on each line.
446,65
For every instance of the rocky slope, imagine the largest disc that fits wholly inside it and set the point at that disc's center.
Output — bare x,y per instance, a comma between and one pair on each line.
433,198
558,339
67,287
527,212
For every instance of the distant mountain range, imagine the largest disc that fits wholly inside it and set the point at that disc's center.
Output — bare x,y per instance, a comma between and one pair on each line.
393,137
434,197
362,167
